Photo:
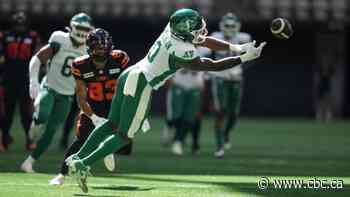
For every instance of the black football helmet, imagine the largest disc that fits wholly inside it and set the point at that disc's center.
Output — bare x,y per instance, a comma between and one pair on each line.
99,44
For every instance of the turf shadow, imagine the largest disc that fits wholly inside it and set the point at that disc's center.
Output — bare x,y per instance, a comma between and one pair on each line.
93,195
122,188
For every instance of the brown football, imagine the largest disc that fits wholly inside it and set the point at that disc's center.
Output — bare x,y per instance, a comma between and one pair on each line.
281,28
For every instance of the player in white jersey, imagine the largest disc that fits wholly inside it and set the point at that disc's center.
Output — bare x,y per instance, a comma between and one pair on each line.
183,107
54,96
226,86
174,49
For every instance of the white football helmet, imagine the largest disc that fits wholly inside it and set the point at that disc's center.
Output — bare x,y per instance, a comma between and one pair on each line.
81,25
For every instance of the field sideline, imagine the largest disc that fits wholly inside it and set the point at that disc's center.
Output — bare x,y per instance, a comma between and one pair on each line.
275,148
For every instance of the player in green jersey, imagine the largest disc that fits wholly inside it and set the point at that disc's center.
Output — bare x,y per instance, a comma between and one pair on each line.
174,49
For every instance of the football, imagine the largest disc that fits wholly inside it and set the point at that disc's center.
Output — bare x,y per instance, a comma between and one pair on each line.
281,28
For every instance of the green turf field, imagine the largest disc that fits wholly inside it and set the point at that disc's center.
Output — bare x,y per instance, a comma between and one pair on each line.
277,149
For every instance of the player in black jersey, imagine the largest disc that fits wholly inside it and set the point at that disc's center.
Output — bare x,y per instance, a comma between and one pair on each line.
96,78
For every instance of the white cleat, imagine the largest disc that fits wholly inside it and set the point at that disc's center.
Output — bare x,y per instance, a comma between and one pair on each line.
227,146
177,148
58,180
109,162
219,153
27,167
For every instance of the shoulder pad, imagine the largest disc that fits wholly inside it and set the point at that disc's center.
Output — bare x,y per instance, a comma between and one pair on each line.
58,36
81,59
185,51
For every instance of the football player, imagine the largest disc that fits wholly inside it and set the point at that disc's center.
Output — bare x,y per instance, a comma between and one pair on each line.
227,85
184,99
96,78
54,96
174,49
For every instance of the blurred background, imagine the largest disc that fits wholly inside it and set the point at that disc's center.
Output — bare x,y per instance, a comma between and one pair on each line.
285,82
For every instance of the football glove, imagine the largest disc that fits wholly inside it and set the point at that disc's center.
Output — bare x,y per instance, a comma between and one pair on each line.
252,52
240,48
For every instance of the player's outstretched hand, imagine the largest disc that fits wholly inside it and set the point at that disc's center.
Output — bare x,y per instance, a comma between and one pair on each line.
246,46
34,90
252,52
97,120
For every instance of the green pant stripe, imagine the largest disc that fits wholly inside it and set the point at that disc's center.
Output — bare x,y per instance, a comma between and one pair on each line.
140,111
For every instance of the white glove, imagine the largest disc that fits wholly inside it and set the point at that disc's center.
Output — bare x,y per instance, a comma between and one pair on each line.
96,120
247,45
34,88
240,48
252,52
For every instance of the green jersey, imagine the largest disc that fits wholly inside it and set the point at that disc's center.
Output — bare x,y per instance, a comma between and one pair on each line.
164,57
59,76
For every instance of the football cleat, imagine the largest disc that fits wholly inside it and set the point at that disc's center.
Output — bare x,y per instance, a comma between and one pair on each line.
57,180
177,148
219,153
78,170
27,167
109,162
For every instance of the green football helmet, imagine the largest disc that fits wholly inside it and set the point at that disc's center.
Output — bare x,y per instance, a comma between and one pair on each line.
188,25
81,25
230,25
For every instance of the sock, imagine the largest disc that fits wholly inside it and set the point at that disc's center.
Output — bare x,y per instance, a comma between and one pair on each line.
97,136
195,135
219,138
112,144
73,148
231,123
180,131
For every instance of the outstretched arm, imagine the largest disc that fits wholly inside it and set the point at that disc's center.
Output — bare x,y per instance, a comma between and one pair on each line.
221,45
206,64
